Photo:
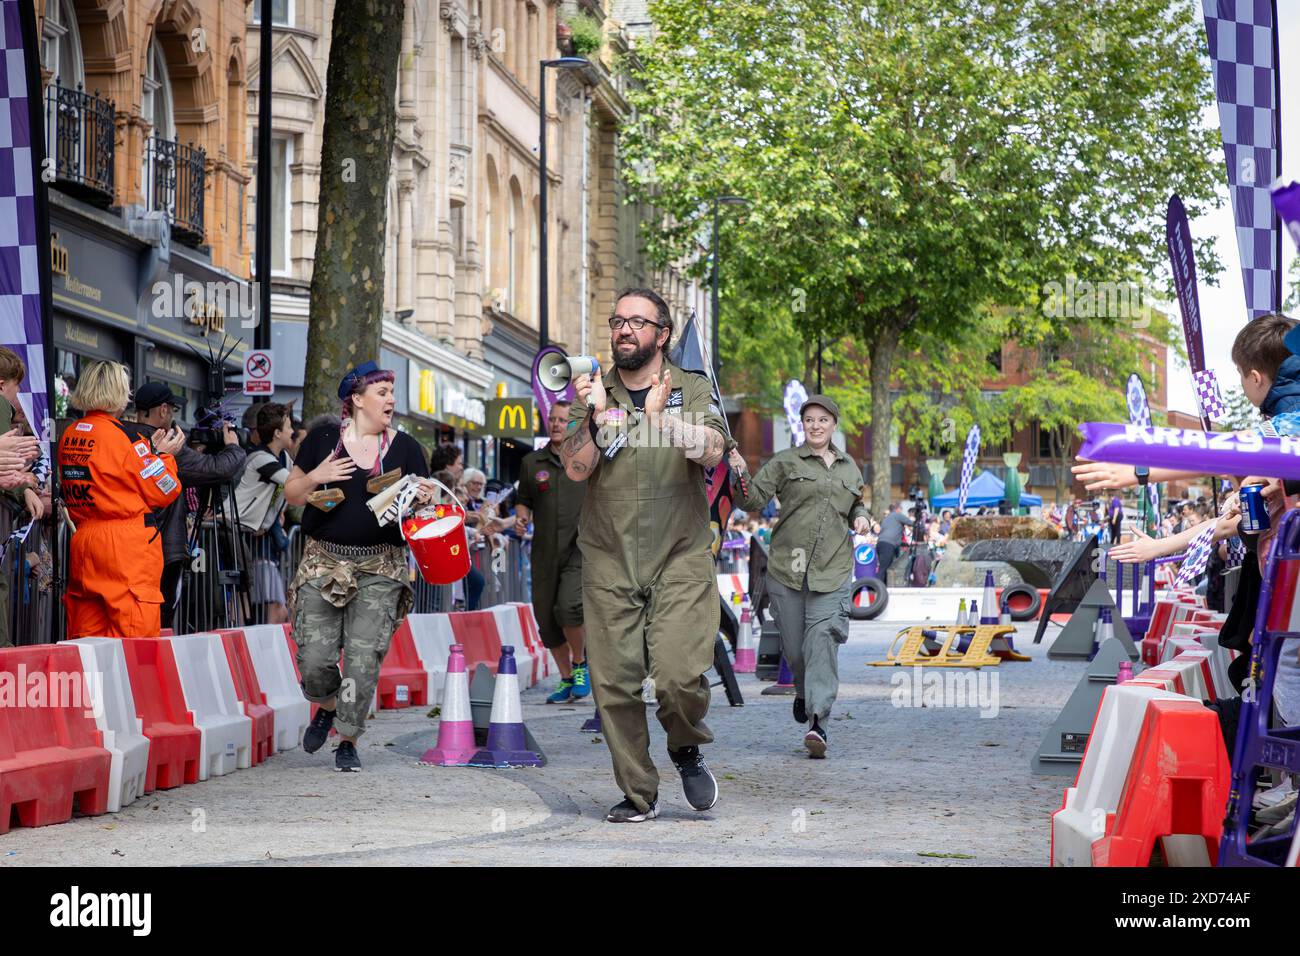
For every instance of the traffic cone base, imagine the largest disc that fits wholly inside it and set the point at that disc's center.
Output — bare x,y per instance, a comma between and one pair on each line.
784,686
456,727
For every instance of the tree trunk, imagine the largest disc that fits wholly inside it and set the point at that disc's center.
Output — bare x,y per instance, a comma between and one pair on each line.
347,283
1060,467
882,414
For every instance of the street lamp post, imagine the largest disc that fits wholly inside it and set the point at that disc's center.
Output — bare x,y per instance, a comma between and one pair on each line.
543,290
713,279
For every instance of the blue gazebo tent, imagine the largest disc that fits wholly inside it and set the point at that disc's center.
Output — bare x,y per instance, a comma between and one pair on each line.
986,489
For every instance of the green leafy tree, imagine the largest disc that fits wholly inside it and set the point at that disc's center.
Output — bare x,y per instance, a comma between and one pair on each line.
910,163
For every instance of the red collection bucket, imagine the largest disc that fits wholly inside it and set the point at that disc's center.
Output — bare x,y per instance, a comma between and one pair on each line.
438,542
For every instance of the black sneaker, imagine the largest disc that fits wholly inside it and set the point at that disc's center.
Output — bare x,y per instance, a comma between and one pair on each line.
346,759
318,730
800,715
625,811
697,782
815,740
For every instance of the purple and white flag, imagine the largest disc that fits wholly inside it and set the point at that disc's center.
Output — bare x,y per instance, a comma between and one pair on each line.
25,317
968,457
795,395
1242,37
1139,413
1286,200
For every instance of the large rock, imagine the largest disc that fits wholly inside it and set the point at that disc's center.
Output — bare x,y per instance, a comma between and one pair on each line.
1039,563
953,572
969,528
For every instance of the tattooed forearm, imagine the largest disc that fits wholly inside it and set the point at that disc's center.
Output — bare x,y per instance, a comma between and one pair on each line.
579,453
699,443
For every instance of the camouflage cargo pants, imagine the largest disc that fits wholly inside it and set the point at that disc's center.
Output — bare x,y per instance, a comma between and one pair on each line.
360,630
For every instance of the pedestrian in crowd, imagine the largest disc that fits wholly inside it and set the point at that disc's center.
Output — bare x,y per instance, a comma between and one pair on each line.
551,501
472,483
889,539
648,586
811,566
353,583
259,500
18,483
299,433
155,409
114,487
449,457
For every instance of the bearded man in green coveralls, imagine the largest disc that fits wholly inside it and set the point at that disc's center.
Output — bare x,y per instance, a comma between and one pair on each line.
552,500
642,439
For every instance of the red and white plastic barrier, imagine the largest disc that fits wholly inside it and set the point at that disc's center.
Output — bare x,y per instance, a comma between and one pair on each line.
510,629
104,666
175,744
278,680
226,734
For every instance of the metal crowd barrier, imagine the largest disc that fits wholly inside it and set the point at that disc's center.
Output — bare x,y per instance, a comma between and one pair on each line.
27,594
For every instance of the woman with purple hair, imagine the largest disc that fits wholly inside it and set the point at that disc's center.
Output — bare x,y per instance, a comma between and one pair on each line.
353,584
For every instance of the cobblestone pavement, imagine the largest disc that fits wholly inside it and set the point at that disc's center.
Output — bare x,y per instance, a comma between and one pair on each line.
903,785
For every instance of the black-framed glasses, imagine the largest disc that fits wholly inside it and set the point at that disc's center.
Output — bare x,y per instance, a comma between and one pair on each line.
616,322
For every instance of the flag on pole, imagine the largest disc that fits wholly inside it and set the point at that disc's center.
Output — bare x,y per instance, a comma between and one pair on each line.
795,395
25,317
1139,413
689,354
968,466
1242,36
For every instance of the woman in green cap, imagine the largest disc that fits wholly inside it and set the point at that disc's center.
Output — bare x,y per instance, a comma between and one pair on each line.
811,563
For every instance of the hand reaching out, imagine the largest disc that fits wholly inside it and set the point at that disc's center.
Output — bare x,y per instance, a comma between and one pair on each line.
1101,476
168,442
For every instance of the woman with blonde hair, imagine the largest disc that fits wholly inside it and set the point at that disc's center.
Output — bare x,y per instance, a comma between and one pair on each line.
114,487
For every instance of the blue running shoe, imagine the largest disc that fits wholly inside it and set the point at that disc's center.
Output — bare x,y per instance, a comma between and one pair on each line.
581,680
563,692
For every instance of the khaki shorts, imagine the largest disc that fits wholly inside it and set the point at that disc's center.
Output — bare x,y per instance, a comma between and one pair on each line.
557,598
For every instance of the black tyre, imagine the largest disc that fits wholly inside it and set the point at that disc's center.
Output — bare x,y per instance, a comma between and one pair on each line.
1022,601
868,598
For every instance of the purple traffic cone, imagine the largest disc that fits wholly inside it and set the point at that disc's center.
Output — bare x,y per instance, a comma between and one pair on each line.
784,686
456,727
990,615
506,746
592,724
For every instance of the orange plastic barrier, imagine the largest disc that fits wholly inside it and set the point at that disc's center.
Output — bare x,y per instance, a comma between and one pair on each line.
250,694
174,741
51,752
476,631
402,678
1176,790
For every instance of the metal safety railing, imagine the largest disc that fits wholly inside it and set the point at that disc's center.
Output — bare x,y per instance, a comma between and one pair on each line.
27,594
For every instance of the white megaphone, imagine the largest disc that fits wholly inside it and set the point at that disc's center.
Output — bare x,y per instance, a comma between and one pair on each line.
557,371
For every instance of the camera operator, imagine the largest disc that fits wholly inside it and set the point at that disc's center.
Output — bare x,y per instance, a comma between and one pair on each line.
156,407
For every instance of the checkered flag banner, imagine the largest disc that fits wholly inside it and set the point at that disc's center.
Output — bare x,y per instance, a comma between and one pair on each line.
24,245
1208,395
1139,413
795,395
1197,556
968,466
1242,37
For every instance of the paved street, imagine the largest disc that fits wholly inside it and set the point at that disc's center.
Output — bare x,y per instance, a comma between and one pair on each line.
932,786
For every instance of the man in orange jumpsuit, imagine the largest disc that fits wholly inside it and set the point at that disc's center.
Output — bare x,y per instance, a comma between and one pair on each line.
114,486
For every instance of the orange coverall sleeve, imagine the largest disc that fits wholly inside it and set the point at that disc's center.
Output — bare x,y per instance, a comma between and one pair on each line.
155,477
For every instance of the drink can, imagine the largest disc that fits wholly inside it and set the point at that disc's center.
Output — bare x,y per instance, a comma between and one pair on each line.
1254,510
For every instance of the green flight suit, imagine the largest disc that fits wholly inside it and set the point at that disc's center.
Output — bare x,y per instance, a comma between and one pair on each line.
648,582
811,562
555,500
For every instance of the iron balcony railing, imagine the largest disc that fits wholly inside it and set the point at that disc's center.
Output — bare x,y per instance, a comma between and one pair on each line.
79,130
174,181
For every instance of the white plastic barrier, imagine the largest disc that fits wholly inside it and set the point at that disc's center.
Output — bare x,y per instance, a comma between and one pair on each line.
109,686
275,674
433,637
729,584
226,733
1192,667
1081,821
914,605
533,637
511,631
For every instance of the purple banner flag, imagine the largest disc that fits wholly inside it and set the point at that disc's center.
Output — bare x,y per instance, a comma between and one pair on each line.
1207,453
1139,413
24,218
1286,200
794,396
1242,36
969,454
1182,262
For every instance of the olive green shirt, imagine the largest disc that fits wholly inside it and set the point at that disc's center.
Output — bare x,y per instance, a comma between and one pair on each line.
818,508
646,514
555,500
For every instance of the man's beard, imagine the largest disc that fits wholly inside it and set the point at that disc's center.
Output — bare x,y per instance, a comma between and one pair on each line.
637,358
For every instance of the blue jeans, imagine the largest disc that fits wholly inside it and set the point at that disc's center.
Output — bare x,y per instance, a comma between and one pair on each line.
474,583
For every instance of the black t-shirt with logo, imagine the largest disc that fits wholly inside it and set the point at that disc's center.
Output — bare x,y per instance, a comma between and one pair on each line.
350,521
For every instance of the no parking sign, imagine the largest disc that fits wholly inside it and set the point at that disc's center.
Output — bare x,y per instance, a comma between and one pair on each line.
257,373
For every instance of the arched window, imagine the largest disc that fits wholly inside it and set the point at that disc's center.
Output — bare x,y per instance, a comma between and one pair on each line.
156,94
62,53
